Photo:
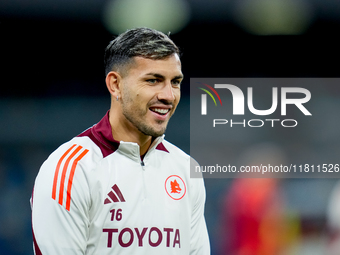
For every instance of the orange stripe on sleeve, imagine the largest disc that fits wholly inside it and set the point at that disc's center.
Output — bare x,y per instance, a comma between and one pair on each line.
63,175
55,180
70,180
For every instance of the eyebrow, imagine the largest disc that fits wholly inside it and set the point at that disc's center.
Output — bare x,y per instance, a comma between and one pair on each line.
163,77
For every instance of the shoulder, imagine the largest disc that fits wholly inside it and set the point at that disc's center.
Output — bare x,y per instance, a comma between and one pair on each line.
69,168
70,162
174,151
181,156
186,162
76,149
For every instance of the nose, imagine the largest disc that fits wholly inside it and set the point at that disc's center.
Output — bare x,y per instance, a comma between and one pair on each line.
166,93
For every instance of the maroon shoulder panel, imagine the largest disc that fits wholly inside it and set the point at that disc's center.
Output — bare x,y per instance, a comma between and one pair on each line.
161,147
101,135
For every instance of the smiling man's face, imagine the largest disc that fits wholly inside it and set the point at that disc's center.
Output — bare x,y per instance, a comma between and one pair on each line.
150,93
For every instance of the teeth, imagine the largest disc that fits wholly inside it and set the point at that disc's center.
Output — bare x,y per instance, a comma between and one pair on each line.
161,111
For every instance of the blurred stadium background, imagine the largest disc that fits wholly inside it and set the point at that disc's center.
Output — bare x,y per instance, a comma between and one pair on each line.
52,88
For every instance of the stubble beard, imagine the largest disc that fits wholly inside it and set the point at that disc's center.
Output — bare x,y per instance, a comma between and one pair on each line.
135,116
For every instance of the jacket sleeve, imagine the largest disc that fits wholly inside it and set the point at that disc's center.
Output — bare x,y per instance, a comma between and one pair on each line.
60,203
199,243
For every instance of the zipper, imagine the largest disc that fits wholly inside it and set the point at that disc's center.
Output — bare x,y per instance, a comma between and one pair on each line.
144,181
143,165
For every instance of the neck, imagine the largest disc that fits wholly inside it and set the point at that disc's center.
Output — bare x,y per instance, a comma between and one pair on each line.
122,131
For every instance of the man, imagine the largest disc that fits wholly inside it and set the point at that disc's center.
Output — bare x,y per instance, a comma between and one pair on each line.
119,187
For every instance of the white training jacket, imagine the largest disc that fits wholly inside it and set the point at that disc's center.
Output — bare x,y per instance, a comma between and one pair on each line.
94,195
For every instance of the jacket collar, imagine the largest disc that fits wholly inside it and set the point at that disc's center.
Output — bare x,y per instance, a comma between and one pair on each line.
101,134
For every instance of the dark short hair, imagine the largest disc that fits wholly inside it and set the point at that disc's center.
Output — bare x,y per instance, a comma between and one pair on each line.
138,42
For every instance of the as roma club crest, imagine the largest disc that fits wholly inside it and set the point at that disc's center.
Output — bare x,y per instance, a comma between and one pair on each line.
175,187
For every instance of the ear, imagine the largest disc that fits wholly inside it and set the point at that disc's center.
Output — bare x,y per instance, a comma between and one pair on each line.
113,80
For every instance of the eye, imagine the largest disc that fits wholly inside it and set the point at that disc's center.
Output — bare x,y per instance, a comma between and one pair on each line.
152,81
176,83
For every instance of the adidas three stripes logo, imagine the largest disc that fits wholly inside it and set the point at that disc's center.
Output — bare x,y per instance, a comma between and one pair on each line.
64,171
63,178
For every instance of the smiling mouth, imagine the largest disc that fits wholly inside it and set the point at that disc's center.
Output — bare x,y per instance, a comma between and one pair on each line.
160,110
